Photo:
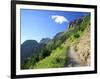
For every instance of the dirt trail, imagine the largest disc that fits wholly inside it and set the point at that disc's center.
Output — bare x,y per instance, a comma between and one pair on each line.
73,59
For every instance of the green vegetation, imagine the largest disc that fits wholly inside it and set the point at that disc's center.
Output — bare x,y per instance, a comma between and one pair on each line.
30,61
76,35
54,54
56,59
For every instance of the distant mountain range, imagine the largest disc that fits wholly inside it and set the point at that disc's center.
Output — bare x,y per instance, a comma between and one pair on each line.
32,47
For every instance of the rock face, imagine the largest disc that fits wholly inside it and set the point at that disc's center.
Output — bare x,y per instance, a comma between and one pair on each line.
28,48
75,22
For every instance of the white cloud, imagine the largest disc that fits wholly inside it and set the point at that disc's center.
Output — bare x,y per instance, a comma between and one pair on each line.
59,19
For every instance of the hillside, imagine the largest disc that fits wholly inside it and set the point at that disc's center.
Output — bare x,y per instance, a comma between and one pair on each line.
70,48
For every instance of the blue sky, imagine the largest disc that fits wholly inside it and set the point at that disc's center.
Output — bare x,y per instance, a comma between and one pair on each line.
38,24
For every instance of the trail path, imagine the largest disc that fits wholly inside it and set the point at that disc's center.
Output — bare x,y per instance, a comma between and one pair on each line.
73,59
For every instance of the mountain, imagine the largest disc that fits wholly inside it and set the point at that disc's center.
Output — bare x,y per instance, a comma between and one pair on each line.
45,40
74,50
28,48
70,48
76,22
31,49
58,35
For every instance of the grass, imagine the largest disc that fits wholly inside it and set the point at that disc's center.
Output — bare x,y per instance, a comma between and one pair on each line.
56,59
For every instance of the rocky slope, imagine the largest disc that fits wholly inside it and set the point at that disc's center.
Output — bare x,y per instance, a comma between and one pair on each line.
83,48
79,53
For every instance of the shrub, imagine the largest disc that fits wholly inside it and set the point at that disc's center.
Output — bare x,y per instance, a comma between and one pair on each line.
75,48
76,35
44,53
30,62
58,60
82,29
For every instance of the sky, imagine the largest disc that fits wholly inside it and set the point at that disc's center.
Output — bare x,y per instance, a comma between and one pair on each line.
38,24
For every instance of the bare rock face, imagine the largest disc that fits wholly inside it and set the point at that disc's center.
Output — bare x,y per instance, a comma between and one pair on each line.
75,22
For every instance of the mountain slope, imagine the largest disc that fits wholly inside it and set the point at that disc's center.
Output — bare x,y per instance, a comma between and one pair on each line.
79,52
72,37
60,51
